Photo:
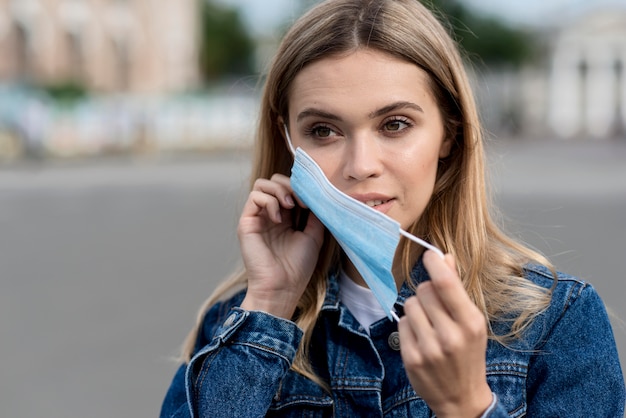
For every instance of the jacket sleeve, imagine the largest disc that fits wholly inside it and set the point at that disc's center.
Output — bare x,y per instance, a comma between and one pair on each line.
239,370
576,371
175,402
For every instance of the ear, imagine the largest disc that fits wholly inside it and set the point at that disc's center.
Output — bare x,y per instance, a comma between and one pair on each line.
446,147
451,130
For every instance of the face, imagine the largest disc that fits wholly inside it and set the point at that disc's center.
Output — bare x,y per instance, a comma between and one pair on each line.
372,124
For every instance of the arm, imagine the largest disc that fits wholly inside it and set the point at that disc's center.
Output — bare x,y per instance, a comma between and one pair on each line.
243,358
239,372
175,402
577,371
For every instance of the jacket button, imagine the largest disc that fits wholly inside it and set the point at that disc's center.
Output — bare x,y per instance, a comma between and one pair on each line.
230,320
394,341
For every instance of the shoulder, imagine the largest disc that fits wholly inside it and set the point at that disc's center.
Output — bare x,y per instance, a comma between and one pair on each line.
564,288
571,299
567,352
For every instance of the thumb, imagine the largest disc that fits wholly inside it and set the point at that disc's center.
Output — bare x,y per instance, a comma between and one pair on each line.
315,229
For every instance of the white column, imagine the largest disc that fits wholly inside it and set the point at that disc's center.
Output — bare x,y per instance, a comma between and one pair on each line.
565,92
601,91
5,25
621,56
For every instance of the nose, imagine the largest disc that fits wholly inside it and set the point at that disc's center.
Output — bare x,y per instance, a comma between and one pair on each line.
362,158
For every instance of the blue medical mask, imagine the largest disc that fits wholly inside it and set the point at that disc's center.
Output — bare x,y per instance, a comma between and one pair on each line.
368,237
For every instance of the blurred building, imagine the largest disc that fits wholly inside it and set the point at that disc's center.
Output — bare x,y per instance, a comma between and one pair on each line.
578,89
141,46
588,77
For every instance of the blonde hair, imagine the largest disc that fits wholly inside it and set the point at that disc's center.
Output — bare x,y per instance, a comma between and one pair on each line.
457,219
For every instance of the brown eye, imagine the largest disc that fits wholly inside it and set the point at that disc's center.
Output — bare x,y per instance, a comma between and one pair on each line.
322,131
396,125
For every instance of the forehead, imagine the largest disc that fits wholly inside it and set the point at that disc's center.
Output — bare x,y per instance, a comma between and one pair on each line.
361,78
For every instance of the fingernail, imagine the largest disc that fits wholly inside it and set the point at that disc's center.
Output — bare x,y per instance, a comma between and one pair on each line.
289,200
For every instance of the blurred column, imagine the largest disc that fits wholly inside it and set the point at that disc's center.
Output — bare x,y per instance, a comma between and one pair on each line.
74,17
5,32
567,91
177,39
26,14
600,92
620,111
120,25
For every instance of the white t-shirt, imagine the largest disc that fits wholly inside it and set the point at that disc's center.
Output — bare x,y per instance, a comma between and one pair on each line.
360,301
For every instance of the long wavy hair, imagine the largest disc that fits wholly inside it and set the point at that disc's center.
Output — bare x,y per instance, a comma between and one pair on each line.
458,218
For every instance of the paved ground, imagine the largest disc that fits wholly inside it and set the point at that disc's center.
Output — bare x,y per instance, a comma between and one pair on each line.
104,265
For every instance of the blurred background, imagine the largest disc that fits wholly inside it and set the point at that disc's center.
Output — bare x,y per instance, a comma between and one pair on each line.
125,131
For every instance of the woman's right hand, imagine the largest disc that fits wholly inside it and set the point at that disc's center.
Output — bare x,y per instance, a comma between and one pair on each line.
279,260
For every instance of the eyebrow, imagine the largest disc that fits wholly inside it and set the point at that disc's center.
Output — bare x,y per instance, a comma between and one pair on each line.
395,106
382,111
317,113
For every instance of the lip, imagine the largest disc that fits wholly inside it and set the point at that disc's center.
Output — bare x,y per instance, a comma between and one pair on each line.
369,197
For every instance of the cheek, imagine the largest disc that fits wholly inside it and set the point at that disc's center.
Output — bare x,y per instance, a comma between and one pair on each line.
419,182
428,173
421,163
331,168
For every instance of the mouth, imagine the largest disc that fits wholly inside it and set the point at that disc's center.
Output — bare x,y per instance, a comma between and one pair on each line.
374,203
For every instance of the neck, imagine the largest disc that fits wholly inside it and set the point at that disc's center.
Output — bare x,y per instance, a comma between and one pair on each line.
352,272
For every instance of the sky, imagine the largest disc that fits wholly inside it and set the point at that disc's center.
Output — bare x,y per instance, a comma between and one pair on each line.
263,16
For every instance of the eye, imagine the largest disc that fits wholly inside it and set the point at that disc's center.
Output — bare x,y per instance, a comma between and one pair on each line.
396,124
320,131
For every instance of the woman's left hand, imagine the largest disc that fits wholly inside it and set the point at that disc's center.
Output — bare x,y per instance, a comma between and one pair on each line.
443,341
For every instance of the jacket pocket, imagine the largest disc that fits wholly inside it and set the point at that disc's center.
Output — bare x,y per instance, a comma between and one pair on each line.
406,403
508,381
300,397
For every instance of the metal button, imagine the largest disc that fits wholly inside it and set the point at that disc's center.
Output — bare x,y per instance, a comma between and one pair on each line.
394,341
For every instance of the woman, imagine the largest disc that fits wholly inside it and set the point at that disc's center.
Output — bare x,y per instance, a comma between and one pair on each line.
374,91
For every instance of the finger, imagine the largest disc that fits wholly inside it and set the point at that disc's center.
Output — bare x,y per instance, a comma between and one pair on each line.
447,284
409,349
281,191
420,324
276,186
451,336
428,342
433,307
315,229
259,202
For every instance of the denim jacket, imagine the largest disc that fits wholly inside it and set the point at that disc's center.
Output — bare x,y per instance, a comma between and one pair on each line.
565,366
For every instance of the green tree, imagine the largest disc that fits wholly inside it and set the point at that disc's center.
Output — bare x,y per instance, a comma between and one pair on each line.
226,48
485,39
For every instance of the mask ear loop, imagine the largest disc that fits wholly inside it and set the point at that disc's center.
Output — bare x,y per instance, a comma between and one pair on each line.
293,151
422,243
394,315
